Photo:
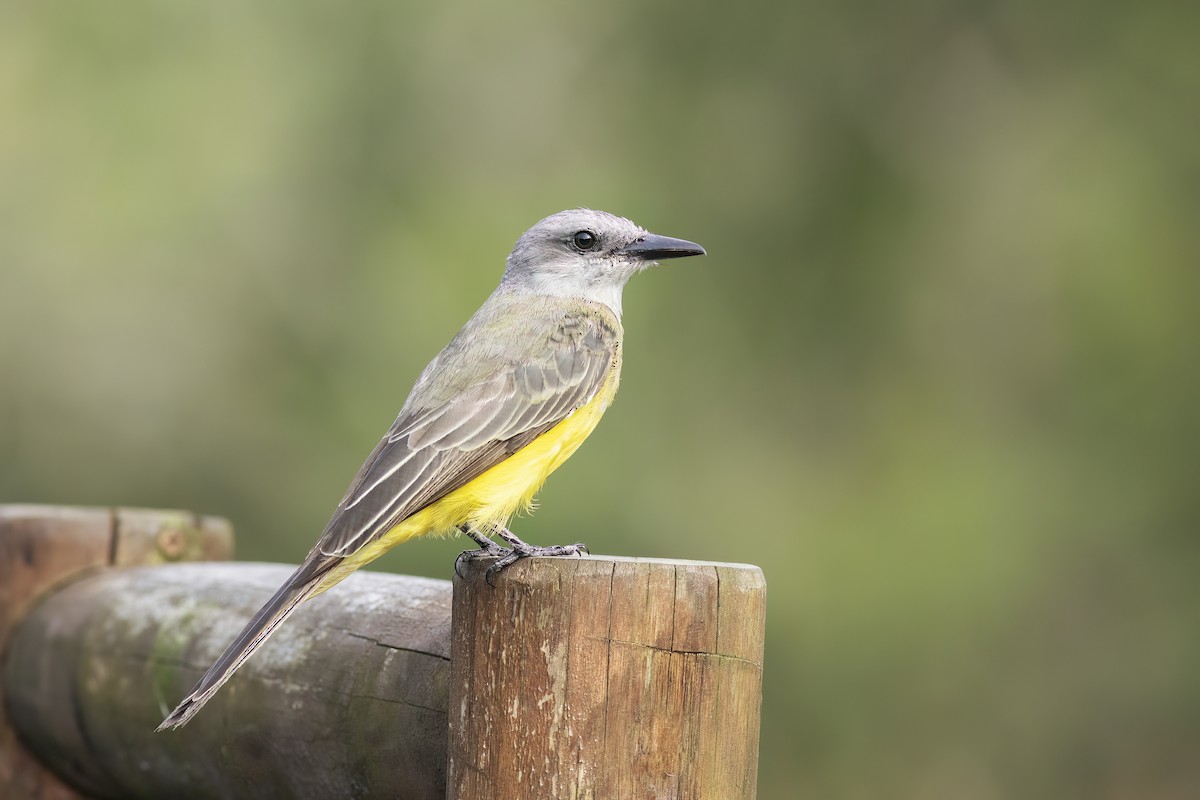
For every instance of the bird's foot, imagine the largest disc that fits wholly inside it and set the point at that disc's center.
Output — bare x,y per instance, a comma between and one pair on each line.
518,549
507,556
487,549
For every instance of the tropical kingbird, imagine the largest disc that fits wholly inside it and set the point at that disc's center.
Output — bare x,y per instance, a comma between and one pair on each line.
511,397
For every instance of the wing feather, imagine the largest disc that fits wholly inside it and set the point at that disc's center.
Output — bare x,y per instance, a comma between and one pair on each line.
452,430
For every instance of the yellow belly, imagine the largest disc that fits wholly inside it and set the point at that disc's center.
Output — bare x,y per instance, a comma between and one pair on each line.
493,497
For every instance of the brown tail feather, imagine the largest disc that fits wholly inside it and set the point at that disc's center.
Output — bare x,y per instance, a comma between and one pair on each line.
299,587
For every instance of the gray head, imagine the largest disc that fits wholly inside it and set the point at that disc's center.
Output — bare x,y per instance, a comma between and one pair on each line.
587,254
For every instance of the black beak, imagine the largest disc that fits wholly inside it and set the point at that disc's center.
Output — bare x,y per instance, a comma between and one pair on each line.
653,247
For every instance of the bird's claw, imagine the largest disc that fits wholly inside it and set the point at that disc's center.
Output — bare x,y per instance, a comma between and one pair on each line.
521,550
507,556
472,555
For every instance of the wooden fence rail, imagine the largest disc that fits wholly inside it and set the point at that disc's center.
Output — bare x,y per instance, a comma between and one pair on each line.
570,678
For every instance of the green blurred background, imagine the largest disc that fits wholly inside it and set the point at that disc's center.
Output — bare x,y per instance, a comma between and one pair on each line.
938,374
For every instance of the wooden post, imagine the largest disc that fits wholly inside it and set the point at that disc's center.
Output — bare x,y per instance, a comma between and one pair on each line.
601,678
42,547
606,678
348,699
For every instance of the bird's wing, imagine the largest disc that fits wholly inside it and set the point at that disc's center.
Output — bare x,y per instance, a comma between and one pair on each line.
473,408
508,377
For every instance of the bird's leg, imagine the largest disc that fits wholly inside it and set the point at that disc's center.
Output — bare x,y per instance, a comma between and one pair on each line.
486,548
520,549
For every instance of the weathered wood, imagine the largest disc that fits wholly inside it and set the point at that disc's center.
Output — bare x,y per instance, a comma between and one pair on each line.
45,546
607,678
348,699
146,537
583,678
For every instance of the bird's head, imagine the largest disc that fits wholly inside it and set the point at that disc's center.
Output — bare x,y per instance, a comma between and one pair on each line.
587,254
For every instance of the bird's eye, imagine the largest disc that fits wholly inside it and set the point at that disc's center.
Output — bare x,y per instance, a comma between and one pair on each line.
585,240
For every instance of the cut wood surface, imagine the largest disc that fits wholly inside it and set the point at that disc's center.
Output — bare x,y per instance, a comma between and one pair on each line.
607,678
348,699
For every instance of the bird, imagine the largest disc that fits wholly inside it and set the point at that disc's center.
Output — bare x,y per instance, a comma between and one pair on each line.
504,404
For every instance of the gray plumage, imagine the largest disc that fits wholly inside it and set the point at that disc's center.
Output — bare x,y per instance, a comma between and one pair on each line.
542,346
475,405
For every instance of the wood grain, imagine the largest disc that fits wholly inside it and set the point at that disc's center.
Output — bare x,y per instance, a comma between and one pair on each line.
607,678
598,677
346,700
40,547
45,547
